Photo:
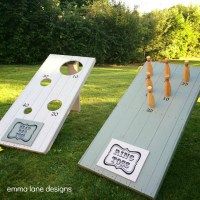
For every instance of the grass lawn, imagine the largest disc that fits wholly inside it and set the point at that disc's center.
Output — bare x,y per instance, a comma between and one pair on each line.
59,168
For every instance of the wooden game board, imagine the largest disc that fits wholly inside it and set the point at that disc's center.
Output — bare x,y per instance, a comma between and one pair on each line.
152,136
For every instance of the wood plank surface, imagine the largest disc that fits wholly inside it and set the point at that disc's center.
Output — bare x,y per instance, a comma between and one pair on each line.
65,88
158,131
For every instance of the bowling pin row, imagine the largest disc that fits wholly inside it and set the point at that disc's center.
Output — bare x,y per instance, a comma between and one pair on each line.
167,85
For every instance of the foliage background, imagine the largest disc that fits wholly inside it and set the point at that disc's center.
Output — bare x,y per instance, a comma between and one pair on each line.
31,30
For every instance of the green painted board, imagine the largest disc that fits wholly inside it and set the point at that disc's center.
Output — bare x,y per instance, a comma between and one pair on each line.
157,132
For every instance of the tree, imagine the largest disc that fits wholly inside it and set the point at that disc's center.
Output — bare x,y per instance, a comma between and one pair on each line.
79,3
176,32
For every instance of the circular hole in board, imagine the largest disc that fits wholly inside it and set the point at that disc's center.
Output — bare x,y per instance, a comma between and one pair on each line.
27,110
45,82
54,105
71,67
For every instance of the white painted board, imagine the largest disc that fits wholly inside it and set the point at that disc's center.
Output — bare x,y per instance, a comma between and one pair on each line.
65,88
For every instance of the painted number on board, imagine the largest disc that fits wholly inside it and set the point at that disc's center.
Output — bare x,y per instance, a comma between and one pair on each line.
54,114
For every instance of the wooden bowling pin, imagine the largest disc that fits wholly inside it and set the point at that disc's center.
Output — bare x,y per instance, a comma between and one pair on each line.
167,71
186,73
148,80
150,98
167,88
149,66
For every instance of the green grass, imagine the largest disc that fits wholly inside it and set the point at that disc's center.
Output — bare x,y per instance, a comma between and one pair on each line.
99,96
193,61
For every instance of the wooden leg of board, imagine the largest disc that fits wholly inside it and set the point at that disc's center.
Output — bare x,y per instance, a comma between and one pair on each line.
77,105
73,69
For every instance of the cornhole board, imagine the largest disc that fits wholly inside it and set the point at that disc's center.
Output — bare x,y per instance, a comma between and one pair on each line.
134,147
37,130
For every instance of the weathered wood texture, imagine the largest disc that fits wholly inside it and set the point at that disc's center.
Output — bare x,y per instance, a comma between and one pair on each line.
158,131
65,88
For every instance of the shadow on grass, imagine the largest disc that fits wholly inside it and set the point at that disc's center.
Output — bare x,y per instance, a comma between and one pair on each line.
182,180
59,167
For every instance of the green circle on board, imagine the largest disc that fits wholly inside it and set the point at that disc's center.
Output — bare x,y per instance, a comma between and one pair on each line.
45,82
54,105
27,110
70,68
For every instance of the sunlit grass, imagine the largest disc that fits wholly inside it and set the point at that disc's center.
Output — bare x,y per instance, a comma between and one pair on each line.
99,96
192,61
1,149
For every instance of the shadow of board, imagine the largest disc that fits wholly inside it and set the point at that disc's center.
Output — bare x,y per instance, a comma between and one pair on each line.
81,128
181,180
